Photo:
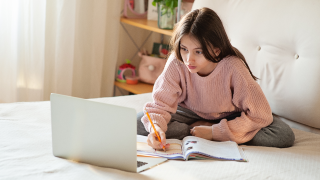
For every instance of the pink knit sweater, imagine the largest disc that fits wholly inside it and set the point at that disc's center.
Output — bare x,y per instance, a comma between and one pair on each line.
228,89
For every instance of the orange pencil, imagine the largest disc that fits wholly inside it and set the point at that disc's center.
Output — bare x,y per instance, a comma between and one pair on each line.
155,130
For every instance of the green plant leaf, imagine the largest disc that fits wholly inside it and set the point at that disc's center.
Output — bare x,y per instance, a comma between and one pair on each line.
172,4
171,11
175,4
154,2
167,3
165,10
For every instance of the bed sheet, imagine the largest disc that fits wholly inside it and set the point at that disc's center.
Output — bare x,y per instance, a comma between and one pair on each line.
26,152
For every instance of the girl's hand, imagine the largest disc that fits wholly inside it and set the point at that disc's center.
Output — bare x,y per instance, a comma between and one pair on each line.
204,132
153,139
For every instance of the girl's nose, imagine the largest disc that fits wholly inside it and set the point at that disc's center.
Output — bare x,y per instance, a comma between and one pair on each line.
190,57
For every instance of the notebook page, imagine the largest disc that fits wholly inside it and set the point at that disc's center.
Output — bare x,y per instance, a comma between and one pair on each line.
173,151
222,150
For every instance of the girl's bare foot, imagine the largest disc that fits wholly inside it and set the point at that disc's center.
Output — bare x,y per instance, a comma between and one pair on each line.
202,123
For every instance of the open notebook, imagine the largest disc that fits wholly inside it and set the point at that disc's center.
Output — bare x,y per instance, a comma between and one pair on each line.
192,147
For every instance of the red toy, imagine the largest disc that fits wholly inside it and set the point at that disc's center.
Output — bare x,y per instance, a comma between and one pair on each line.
133,79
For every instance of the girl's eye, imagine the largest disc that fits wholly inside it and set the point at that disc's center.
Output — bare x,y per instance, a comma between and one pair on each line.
184,49
199,52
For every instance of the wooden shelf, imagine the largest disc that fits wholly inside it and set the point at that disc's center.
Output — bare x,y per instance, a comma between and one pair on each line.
146,24
150,25
139,88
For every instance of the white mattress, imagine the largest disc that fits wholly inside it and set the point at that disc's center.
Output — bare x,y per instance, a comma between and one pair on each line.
25,153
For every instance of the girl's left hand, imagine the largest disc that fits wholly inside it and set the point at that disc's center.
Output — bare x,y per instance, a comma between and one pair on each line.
204,132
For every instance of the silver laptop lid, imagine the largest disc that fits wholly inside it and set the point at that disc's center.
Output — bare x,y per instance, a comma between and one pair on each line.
93,132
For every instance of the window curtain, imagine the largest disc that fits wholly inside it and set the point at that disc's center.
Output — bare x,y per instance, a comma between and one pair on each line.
57,46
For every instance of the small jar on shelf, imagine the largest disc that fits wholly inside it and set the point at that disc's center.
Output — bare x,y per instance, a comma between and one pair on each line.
166,13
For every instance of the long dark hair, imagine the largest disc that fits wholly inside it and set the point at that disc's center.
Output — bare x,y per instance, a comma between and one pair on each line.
205,25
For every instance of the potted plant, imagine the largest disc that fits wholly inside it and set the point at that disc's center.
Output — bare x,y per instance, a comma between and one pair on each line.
166,13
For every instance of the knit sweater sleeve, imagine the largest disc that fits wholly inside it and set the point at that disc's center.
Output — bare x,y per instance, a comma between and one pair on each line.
166,93
250,99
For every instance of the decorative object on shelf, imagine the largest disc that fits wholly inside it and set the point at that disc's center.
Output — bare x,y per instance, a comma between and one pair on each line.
140,6
133,79
160,50
128,12
166,13
131,2
185,7
152,11
150,67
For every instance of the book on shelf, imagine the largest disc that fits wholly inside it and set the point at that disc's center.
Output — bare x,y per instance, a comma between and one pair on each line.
192,147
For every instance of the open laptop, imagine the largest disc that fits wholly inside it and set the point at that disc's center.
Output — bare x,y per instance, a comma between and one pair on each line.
96,133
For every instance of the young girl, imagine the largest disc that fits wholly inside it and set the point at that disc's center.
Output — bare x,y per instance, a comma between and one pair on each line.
208,90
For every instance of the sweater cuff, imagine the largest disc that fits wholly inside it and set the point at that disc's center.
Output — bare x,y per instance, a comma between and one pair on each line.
148,126
218,133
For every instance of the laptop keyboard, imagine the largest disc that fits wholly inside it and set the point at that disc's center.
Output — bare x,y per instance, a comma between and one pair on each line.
140,163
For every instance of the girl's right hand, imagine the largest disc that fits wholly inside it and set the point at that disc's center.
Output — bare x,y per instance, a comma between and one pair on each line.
153,139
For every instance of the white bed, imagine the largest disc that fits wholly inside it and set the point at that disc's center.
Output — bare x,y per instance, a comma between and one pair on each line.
283,51
26,152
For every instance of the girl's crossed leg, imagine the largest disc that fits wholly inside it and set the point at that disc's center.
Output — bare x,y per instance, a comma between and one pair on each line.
277,134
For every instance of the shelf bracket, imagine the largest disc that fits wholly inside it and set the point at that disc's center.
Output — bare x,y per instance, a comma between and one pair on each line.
121,92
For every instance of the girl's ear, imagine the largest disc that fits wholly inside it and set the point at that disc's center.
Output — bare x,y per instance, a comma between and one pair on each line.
216,51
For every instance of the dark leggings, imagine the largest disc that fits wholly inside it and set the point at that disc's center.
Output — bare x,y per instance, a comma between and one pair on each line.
277,134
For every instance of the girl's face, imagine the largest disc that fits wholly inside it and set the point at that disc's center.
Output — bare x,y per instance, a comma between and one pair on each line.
193,58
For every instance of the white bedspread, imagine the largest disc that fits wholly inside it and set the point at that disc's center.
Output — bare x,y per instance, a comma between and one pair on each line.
25,153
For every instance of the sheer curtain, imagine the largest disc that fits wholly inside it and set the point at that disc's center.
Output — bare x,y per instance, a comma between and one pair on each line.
62,46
